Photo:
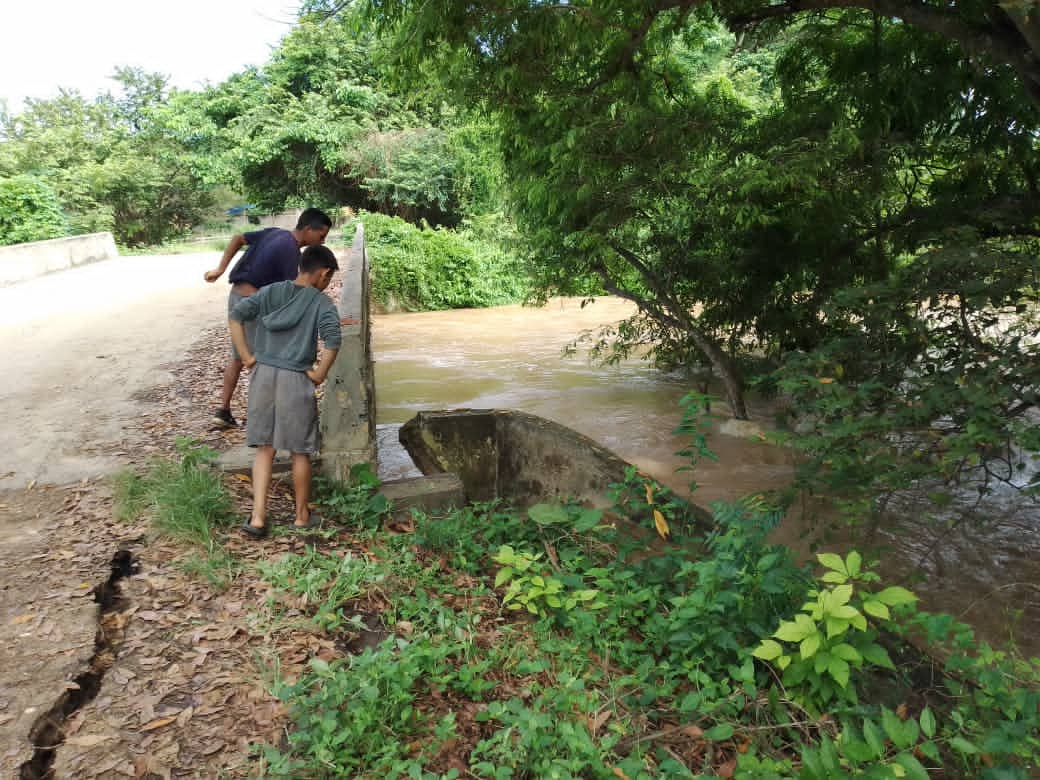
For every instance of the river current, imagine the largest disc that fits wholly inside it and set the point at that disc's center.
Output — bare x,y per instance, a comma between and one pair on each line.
512,357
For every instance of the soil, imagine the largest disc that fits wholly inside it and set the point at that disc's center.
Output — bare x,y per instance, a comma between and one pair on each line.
115,662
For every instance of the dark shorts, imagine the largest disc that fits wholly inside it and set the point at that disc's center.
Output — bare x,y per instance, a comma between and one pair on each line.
250,327
283,411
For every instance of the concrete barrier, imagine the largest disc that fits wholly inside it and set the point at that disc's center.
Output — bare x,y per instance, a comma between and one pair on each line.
26,261
348,412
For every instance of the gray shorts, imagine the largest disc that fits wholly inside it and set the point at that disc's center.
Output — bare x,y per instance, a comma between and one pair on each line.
233,298
283,411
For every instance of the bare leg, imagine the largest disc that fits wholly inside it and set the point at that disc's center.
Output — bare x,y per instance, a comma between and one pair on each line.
301,480
232,371
262,464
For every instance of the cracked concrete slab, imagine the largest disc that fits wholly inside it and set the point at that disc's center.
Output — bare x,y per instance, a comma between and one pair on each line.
79,347
48,615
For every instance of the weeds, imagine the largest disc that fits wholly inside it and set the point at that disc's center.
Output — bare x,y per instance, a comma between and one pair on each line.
706,653
186,500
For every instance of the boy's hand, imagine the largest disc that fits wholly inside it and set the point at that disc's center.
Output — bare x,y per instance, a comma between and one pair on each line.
211,276
248,362
314,376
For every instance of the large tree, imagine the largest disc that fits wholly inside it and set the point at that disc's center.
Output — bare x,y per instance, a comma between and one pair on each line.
112,160
729,198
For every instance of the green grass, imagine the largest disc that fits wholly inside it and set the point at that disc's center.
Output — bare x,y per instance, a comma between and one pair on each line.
187,501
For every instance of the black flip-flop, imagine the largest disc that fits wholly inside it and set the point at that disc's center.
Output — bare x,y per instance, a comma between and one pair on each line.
252,531
313,521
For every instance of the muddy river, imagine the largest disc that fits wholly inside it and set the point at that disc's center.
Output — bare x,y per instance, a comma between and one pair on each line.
513,358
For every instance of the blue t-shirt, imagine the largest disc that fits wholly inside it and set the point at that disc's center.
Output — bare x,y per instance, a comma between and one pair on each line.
272,255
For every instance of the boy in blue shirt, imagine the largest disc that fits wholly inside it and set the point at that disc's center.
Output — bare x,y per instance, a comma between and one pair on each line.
272,255
282,410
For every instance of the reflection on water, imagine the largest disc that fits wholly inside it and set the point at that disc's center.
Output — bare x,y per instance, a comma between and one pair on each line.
512,358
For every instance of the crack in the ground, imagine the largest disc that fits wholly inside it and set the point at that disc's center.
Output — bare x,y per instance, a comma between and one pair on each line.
48,731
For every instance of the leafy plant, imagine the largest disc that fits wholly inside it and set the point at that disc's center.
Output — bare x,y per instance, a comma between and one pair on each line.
832,632
538,593
326,582
359,716
187,501
357,502
30,210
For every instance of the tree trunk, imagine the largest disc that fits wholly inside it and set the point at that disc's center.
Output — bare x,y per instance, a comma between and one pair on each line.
673,314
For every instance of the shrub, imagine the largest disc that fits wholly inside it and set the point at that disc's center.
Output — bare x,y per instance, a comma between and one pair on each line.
29,211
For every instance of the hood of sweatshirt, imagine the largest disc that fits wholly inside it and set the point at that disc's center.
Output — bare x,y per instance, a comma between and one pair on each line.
289,307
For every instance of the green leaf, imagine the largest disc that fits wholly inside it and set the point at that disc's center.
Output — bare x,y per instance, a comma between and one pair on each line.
874,737
832,561
931,750
768,650
718,732
845,612
927,722
847,652
895,595
841,595
877,609
877,655
547,514
836,627
587,520
504,574
839,670
961,745
853,563
810,645
794,631
894,728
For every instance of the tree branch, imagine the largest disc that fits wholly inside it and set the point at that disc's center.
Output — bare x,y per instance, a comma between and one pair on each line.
1005,43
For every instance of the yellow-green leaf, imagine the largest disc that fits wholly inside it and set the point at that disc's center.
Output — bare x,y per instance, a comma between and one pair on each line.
847,652
853,563
841,595
810,645
768,650
832,561
877,609
895,595
839,670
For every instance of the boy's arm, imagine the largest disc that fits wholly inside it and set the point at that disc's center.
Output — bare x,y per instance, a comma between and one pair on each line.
236,243
238,338
331,336
318,374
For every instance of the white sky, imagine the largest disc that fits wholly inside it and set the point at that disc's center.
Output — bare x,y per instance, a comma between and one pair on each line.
79,43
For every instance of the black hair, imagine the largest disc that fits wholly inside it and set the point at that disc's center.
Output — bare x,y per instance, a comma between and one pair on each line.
315,219
314,257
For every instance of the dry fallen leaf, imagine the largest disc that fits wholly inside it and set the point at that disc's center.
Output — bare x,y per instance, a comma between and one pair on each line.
158,723
661,524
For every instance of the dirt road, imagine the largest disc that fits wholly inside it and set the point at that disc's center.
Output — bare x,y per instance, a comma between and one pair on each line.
78,348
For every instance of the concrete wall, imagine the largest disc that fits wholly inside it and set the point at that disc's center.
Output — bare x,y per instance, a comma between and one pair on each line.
512,455
26,261
348,411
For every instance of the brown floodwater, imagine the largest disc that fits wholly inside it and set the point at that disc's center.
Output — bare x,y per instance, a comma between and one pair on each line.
512,357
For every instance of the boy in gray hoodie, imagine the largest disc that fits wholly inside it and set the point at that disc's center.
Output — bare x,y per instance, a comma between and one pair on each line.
282,411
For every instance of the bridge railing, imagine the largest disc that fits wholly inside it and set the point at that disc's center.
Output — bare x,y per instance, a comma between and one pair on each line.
348,411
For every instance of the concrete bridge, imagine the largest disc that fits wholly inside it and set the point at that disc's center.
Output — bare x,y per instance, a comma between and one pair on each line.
347,417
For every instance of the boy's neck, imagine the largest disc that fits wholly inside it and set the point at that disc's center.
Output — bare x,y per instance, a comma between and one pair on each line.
307,279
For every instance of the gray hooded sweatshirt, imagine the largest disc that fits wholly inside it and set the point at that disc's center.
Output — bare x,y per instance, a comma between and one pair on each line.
291,318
